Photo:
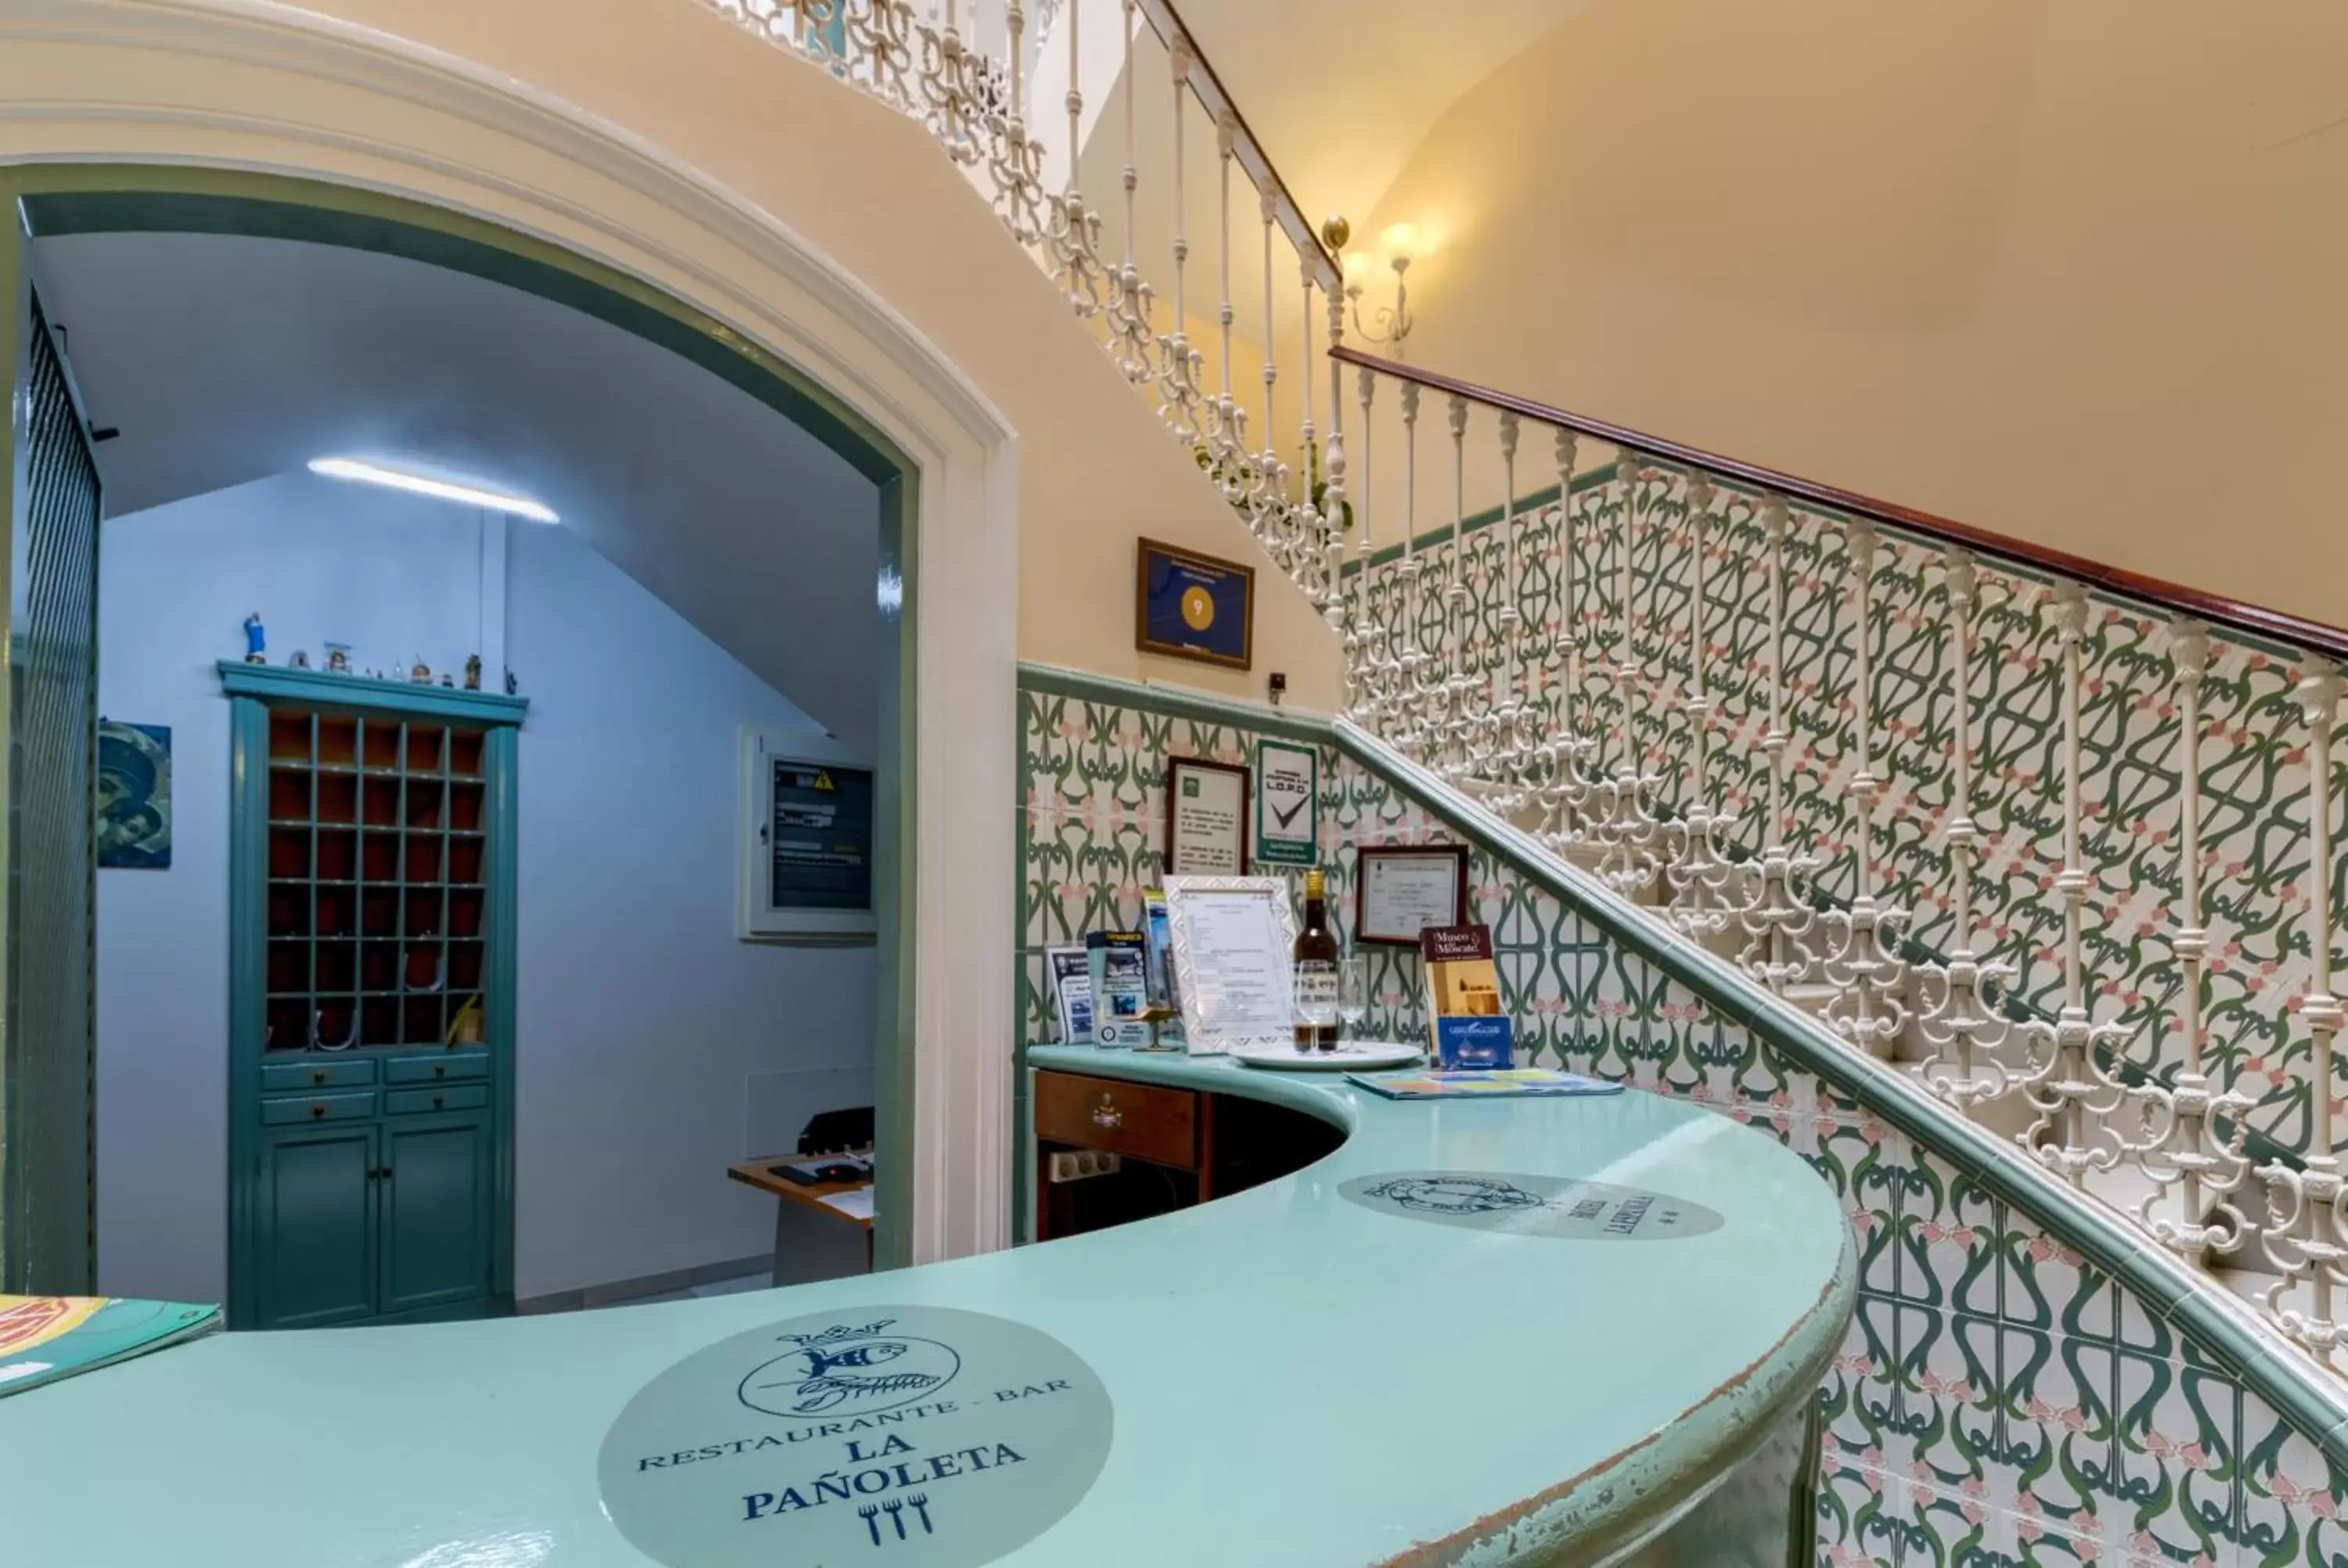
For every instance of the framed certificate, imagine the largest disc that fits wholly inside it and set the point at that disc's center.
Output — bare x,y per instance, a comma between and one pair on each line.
1400,889
1287,803
1206,818
1234,940
1193,606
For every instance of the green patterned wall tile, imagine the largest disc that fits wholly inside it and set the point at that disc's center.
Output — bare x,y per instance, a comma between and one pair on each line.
2001,1400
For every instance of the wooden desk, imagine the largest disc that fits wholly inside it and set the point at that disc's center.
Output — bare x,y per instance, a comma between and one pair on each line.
804,1250
1180,1146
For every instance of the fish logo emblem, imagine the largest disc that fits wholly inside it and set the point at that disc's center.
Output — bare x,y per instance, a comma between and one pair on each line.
849,1371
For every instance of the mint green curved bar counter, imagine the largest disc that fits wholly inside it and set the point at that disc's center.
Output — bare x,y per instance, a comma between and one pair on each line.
1489,1333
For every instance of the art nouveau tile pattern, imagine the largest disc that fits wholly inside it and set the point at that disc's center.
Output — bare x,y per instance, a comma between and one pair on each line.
2254,771
1999,1402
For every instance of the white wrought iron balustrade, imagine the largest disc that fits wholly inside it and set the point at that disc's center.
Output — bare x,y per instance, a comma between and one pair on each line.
2067,855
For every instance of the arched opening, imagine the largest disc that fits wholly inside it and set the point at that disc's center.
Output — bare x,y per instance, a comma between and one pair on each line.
85,219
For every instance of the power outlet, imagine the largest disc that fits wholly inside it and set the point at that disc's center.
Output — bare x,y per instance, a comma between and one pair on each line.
1080,1164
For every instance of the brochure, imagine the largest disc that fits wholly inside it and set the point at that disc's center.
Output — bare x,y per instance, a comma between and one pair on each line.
1119,962
1072,990
1164,990
1519,1081
1466,1026
44,1338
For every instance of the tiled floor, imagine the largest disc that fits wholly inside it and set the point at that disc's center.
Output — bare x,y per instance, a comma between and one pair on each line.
715,1287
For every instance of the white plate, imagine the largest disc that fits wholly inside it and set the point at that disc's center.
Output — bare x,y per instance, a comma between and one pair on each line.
1352,1056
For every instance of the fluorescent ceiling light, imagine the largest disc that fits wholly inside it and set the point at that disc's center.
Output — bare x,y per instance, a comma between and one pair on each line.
368,472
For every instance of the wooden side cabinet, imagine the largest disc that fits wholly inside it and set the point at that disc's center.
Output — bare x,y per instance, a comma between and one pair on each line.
1175,1147
371,1013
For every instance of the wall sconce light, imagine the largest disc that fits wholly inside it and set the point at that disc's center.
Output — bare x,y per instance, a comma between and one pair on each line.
1399,243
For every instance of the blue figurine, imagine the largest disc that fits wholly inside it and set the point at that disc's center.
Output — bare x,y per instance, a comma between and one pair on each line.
255,640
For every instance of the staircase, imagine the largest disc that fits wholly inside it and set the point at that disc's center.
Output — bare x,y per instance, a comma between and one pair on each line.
2054,843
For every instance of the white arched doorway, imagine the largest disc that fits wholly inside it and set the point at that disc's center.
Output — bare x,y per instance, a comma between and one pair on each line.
217,92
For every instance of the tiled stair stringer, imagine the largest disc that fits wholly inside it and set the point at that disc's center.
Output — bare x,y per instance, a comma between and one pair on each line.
2005,1397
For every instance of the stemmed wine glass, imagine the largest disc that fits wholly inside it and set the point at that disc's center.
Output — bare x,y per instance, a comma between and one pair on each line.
1353,993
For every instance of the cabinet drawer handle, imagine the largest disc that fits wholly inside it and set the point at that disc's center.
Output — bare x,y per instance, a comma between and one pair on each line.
440,1069
317,1112
1107,1115
317,1075
438,1100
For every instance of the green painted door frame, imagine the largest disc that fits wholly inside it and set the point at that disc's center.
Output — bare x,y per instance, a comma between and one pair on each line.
48,733
79,198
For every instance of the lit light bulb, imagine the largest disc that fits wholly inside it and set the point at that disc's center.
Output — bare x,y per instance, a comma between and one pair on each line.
1400,241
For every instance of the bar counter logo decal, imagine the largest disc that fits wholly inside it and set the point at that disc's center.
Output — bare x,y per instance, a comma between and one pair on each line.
1193,606
907,1437
1560,1208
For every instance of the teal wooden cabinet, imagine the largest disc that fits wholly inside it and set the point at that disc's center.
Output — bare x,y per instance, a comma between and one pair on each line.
435,1208
371,1013
317,1200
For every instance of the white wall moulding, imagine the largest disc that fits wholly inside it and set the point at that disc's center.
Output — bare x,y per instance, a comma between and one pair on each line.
450,105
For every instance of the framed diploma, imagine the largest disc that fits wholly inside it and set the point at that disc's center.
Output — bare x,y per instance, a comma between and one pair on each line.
1193,606
1206,818
1233,939
1400,889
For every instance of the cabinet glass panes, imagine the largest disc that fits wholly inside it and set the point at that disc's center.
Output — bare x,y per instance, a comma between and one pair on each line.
376,864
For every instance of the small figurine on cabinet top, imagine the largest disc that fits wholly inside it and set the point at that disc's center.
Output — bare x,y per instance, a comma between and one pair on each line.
300,660
420,672
513,684
447,679
256,641
473,671
338,658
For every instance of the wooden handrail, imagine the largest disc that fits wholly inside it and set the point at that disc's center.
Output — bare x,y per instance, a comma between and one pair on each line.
2311,635
1209,89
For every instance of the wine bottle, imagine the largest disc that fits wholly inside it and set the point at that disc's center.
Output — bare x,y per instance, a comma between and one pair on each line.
1316,972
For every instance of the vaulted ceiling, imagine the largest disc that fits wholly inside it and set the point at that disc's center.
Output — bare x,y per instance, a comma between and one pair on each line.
1340,92
224,359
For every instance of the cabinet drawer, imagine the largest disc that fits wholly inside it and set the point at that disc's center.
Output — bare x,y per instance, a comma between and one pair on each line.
446,1069
1138,1119
299,1108
293,1077
456,1097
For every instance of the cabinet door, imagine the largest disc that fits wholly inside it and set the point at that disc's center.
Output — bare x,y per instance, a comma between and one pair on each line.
317,1225
435,1211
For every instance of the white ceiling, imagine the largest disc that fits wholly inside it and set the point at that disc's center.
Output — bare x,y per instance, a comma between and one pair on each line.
1340,92
222,359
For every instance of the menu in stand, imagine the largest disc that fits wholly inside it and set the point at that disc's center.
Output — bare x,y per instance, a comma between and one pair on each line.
1465,1025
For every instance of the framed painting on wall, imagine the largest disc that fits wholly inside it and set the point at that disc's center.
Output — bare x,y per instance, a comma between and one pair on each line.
1193,606
134,796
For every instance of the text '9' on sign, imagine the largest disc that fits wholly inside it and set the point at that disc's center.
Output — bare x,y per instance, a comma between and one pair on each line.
1193,606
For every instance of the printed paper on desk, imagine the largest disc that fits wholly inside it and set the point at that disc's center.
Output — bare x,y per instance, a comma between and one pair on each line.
856,1205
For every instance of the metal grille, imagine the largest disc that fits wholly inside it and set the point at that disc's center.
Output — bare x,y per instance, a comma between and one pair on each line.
48,1241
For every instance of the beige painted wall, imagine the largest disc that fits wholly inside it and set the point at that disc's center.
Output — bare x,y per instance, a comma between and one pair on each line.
2071,270
1095,469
